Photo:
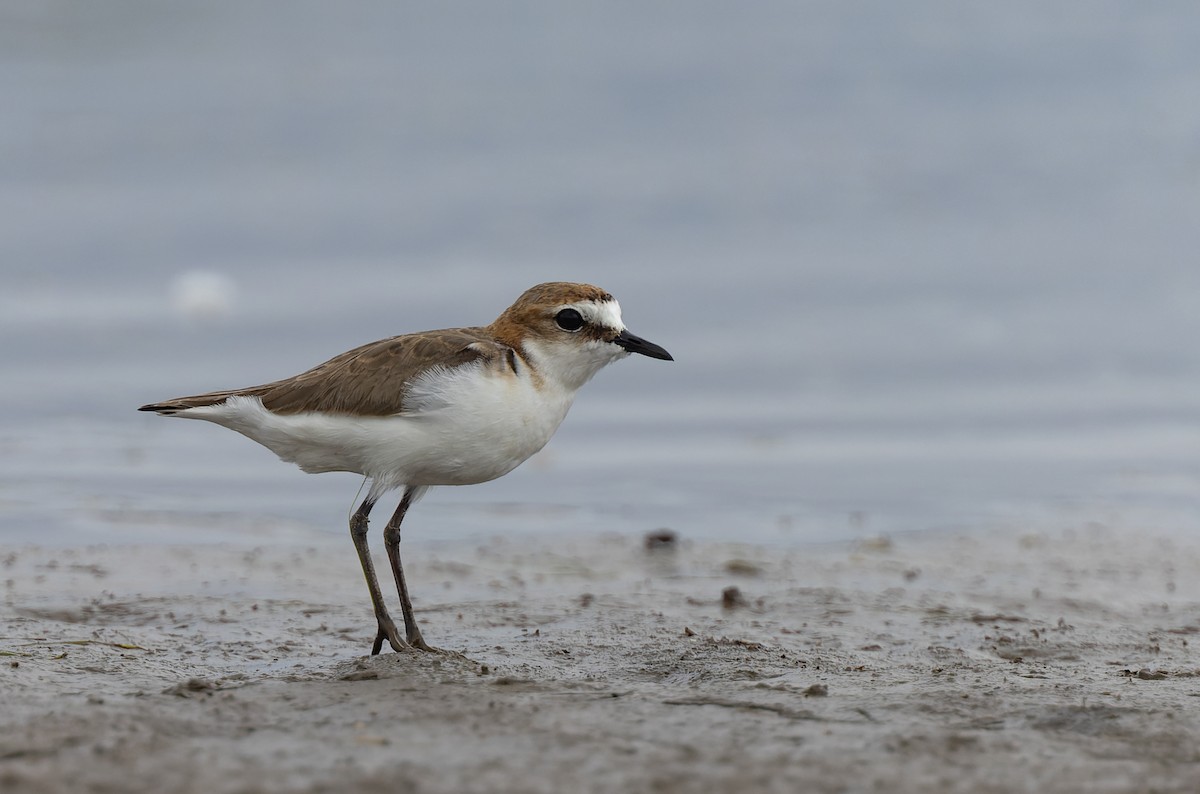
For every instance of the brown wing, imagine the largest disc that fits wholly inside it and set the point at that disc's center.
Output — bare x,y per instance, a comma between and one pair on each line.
366,381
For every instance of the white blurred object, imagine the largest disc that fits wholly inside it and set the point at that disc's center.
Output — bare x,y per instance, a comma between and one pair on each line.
203,296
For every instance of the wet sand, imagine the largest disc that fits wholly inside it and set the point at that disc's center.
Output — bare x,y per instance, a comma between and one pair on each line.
1040,662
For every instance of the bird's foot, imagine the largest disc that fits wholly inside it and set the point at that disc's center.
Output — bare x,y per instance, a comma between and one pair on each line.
415,640
387,631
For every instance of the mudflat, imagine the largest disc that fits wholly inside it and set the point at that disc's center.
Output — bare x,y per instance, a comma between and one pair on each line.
1056,661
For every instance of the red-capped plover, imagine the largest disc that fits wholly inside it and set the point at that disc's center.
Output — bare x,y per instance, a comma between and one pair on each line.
451,407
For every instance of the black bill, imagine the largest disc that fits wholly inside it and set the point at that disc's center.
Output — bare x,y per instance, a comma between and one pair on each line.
635,344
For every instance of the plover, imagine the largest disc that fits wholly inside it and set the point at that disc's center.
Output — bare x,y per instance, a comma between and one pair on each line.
452,407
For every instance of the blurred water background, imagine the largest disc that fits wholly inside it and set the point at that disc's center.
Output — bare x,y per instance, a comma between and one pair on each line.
922,265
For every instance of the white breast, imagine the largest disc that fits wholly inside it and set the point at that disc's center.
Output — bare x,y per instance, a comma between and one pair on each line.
461,426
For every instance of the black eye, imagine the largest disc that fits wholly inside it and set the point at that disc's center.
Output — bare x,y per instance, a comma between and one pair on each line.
569,320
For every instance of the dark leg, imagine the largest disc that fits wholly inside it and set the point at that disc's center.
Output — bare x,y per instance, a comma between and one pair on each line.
358,532
391,540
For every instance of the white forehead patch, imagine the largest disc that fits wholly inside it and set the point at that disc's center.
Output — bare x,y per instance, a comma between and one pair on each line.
606,314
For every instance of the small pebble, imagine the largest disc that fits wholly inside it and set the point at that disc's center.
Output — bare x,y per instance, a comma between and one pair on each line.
731,598
660,539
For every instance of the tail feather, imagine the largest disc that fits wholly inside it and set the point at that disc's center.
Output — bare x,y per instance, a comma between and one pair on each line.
174,406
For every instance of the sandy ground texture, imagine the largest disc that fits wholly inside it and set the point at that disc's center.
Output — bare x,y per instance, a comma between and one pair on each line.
1043,662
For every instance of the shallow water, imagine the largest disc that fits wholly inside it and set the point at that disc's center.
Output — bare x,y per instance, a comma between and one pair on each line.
920,266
